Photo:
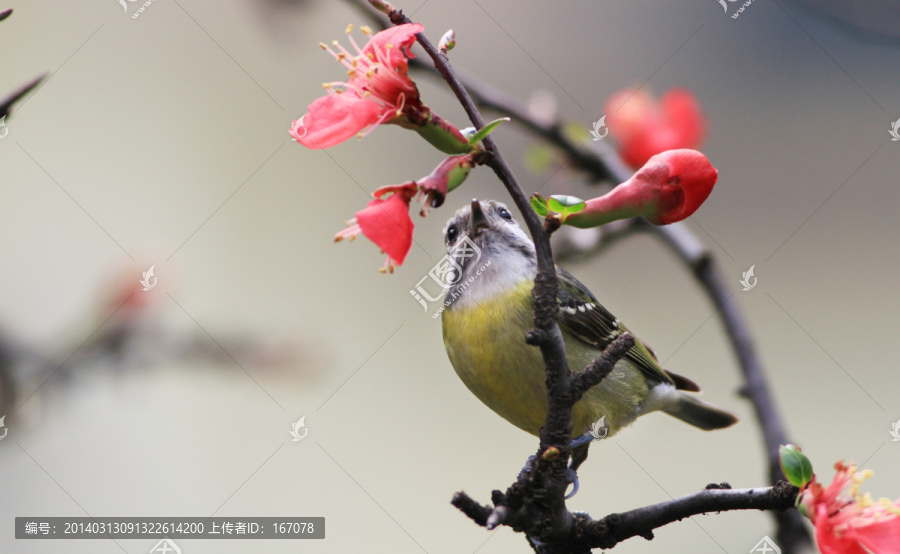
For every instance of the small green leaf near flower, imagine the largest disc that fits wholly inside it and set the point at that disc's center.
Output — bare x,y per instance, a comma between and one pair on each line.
485,131
539,204
795,465
565,206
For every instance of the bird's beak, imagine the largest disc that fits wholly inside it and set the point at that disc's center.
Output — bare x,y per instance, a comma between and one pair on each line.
477,222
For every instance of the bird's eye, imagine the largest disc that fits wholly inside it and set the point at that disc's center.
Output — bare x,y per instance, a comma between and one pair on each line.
504,214
451,234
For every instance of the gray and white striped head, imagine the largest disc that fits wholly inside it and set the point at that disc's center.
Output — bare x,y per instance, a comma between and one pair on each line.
487,244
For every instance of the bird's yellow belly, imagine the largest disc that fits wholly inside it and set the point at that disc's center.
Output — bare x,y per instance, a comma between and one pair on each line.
486,345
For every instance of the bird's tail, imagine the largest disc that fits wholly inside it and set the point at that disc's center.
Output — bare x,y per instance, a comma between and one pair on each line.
700,414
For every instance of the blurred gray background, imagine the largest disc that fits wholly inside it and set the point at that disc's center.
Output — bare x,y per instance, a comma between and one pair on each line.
163,140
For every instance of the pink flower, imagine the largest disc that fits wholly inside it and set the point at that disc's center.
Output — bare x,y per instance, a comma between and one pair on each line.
645,128
669,188
851,523
385,222
377,91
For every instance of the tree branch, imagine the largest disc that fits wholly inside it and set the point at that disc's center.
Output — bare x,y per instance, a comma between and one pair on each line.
615,528
550,473
601,163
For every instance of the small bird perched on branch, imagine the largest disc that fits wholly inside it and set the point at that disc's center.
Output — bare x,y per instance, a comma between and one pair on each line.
488,311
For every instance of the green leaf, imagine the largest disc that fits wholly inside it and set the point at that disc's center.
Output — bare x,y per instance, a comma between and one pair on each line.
485,131
565,205
539,204
795,465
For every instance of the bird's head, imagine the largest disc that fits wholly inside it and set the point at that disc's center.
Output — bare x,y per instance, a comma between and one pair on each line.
485,232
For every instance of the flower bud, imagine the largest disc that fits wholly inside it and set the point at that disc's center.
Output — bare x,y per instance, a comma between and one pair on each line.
670,187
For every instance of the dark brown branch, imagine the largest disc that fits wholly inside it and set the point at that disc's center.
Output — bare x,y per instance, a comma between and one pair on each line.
615,528
7,103
478,513
593,374
16,95
547,511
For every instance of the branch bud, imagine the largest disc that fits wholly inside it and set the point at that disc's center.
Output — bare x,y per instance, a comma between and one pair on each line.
448,41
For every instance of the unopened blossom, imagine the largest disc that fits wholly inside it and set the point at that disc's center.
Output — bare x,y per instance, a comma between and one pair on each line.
377,90
668,188
848,522
447,176
643,127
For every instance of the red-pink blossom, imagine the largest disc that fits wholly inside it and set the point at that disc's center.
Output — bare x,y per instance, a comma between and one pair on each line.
378,89
644,128
668,188
385,222
847,522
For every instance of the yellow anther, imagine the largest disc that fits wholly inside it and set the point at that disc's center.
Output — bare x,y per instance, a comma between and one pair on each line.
370,55
323,46
389,45
341,56
366,30
335,43
349,29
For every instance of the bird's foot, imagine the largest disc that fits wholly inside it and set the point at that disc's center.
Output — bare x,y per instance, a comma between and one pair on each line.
581,441
572,478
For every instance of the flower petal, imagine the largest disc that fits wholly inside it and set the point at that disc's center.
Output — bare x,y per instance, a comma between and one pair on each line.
645,128
388,225
400,37
683,115
333,119
882,537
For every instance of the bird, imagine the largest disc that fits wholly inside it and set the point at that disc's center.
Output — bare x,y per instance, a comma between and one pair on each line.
488,310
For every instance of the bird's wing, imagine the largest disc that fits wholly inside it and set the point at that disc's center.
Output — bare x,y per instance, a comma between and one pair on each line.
585,318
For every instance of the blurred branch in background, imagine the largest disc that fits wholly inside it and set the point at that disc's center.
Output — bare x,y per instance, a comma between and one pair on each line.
6,103
601,163
127,332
